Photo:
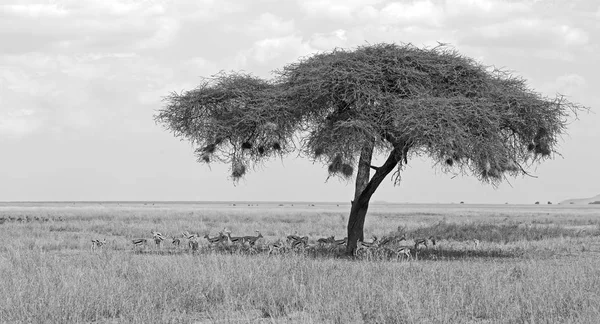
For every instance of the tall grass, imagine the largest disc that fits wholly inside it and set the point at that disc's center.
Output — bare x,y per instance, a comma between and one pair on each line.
523,272
42,288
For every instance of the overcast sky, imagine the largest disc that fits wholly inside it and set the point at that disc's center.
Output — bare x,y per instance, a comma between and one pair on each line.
80,81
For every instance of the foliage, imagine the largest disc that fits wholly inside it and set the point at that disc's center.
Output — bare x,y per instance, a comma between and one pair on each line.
498,233
421,101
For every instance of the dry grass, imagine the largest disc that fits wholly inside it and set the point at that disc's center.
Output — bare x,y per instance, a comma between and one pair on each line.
49,275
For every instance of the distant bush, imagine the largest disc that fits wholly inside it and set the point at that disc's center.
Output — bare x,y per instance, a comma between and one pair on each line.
597,202
501,233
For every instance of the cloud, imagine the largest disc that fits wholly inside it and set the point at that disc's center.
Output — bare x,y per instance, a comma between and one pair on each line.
415,13
486,10
532,33
344,10
274,52
569,84
268,25
328,41
35,10
17,122
111,25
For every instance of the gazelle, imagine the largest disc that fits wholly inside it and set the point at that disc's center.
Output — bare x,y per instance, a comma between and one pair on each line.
326,240
371,244
275,248
158,238
293,237
300,242
252,239
408,250
423,241
217,239
391,239
193,244
175,241
139,242
405,251
98,244
234,239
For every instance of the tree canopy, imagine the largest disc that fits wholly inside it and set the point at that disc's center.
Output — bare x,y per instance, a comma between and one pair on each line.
434,102
343,106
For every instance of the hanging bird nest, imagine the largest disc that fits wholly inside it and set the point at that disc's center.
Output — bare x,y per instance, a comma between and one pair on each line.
336,165
238,170
204,157
319,151
277,146
261,150
210,148
246,146
346,170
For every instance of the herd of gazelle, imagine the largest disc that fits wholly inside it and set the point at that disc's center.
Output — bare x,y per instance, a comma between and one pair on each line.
294,242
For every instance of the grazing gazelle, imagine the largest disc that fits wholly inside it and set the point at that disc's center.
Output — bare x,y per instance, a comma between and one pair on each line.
139,242
98,244
274,248
300,243
217,239
158,238
293,237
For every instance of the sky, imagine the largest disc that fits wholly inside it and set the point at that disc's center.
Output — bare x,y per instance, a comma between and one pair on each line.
80,81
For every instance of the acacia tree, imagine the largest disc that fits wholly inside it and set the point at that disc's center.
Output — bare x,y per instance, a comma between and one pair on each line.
345,106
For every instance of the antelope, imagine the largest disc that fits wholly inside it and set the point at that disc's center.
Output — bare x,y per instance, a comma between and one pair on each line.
407,250
293,237
235,239
404,250
175,241
98,244
374,243
299,242
193,244
327,240
158,238
139,242
252,239
391,239
274,248
423,241
217,239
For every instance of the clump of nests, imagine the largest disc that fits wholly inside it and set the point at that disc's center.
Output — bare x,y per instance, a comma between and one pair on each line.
540,143
238,170
207,151
337,166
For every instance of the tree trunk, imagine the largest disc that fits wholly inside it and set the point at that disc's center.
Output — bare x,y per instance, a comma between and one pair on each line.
362,180
360,205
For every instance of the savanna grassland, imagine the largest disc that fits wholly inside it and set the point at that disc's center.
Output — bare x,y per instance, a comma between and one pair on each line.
532,264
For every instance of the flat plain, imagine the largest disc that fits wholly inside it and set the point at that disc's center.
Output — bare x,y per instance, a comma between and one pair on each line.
490,264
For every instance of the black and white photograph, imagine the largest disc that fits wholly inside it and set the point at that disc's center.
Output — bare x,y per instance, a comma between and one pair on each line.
299,161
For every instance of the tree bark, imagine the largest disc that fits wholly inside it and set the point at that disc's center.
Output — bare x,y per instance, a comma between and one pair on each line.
360,205
363,174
